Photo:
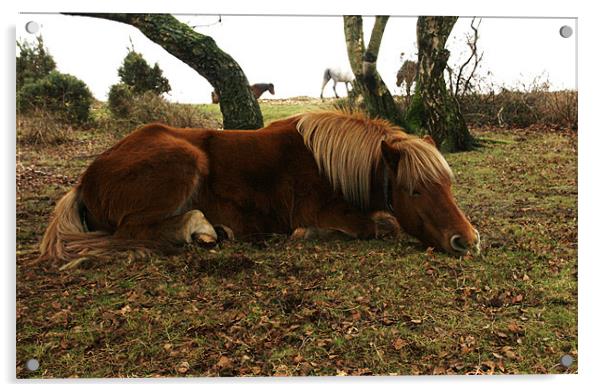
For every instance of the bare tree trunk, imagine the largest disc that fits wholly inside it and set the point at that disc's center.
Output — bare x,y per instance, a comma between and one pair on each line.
434,110
377,98
237,102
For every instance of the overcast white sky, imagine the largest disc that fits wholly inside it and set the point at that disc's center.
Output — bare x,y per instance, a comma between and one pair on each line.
293,51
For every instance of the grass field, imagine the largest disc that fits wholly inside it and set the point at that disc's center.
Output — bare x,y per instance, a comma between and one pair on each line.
317,308
275,109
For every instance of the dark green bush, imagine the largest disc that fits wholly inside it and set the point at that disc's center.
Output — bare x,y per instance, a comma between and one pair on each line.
34,62
139,82
59,93
120,100
138,74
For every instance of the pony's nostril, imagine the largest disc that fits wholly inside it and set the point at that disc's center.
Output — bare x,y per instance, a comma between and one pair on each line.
458,243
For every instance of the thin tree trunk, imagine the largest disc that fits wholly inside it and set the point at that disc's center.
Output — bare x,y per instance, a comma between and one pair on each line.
377,98
434,110
238,104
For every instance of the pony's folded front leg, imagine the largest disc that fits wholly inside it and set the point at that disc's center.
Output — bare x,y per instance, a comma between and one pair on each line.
197,228
354,223
317,233
341,221
185,228
386,225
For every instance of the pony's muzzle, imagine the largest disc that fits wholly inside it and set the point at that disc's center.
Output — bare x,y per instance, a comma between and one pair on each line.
461,245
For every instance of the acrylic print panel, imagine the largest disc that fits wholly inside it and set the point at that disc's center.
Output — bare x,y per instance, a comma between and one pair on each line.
329,243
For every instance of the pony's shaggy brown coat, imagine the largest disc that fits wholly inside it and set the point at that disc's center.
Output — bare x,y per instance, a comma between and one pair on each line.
323,169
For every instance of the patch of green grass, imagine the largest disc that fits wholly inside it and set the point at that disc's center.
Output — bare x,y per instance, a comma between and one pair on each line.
212,109
275,109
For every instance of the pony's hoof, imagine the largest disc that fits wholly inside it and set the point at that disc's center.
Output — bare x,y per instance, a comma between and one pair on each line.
299,234
224,233
205,240
385,225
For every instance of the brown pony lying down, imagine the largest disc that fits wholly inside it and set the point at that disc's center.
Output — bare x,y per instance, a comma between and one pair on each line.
309,175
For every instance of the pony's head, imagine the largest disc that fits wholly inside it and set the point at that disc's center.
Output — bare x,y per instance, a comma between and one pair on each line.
271,88
350,148
421,195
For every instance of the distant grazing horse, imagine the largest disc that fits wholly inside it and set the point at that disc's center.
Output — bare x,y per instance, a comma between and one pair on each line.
407,74
337,76
312,174
258,89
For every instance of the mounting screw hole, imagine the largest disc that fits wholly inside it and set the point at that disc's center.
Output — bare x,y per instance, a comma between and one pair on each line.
32,365
566,31
566,361
32,27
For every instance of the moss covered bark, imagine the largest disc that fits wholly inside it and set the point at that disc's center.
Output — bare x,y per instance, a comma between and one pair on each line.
377,98
238,104
434,110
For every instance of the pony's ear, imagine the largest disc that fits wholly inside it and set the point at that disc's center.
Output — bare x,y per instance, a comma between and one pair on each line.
391,155
430,140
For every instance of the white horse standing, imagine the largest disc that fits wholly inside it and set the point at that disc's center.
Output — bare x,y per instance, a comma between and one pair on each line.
337,76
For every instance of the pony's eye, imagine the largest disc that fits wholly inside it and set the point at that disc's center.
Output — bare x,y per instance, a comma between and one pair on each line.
415,194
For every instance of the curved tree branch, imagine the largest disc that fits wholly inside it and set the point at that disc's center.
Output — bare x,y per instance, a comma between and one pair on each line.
371,54
238,104
376,37
478,58
472,44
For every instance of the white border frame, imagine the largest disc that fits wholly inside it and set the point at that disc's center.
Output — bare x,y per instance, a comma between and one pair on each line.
589,164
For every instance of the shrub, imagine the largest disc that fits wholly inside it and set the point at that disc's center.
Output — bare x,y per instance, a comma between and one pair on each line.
562,108
514,108
34,62
138,78
150,107
120,100
60,93
138,74
41,127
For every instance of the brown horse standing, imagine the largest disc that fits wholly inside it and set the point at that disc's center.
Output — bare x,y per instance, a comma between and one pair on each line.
258,90
313,173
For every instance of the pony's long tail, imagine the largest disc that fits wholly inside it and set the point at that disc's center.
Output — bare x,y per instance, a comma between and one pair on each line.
65,224
66,238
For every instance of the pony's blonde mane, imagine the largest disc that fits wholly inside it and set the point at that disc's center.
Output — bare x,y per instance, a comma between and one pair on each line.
420,163
347,149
